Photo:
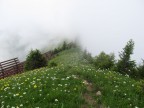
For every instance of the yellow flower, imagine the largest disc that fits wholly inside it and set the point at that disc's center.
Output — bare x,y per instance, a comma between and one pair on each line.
35,86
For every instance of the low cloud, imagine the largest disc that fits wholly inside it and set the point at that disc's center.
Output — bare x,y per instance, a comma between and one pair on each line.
101,25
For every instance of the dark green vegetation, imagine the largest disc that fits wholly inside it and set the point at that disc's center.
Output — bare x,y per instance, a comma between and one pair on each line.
35,60
71,82
104,61
141,70
65,46
124,65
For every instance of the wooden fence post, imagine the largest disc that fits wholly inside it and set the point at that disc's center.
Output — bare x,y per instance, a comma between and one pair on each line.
1,68
17,70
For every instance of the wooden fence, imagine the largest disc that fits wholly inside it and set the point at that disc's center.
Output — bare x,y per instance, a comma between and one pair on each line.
10,67
13,66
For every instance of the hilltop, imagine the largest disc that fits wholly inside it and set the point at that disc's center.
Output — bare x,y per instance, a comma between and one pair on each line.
70,81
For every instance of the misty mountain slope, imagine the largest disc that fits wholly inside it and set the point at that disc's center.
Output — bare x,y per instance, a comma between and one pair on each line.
72,57
73,83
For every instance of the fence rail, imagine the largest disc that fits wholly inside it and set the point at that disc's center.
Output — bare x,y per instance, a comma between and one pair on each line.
13,66
10,67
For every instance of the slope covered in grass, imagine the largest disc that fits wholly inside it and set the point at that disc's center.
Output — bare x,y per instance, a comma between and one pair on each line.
73,83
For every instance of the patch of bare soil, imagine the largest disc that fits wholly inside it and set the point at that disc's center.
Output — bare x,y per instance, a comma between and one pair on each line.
88,96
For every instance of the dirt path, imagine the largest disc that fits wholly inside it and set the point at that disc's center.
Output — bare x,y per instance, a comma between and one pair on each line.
88,96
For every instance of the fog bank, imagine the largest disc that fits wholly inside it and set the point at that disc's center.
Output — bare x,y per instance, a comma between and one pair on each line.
101,25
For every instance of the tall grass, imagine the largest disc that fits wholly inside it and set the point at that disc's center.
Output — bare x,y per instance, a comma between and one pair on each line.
62,86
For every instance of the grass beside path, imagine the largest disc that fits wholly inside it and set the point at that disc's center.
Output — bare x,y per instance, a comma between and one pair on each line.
73,83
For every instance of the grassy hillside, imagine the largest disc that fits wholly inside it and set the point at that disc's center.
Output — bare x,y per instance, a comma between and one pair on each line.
73,83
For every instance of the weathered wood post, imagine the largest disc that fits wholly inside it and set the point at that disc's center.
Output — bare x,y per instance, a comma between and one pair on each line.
1,70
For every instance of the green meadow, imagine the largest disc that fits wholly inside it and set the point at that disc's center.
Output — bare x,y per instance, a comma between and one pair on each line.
72,83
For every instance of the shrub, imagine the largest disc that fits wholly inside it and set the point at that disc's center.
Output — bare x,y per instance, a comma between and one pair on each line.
104,61
65,46
52,64
72,45
140,70
87,56
35,60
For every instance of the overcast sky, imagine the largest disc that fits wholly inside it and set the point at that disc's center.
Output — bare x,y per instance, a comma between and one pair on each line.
101,25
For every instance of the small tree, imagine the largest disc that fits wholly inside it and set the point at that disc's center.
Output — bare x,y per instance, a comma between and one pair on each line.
125,65
140,70
35,60
64,46
87,56
73,45
104,61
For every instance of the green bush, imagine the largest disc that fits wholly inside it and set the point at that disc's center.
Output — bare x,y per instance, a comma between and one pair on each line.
35,60
52,64
87,56
65,46
104,61
140,70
